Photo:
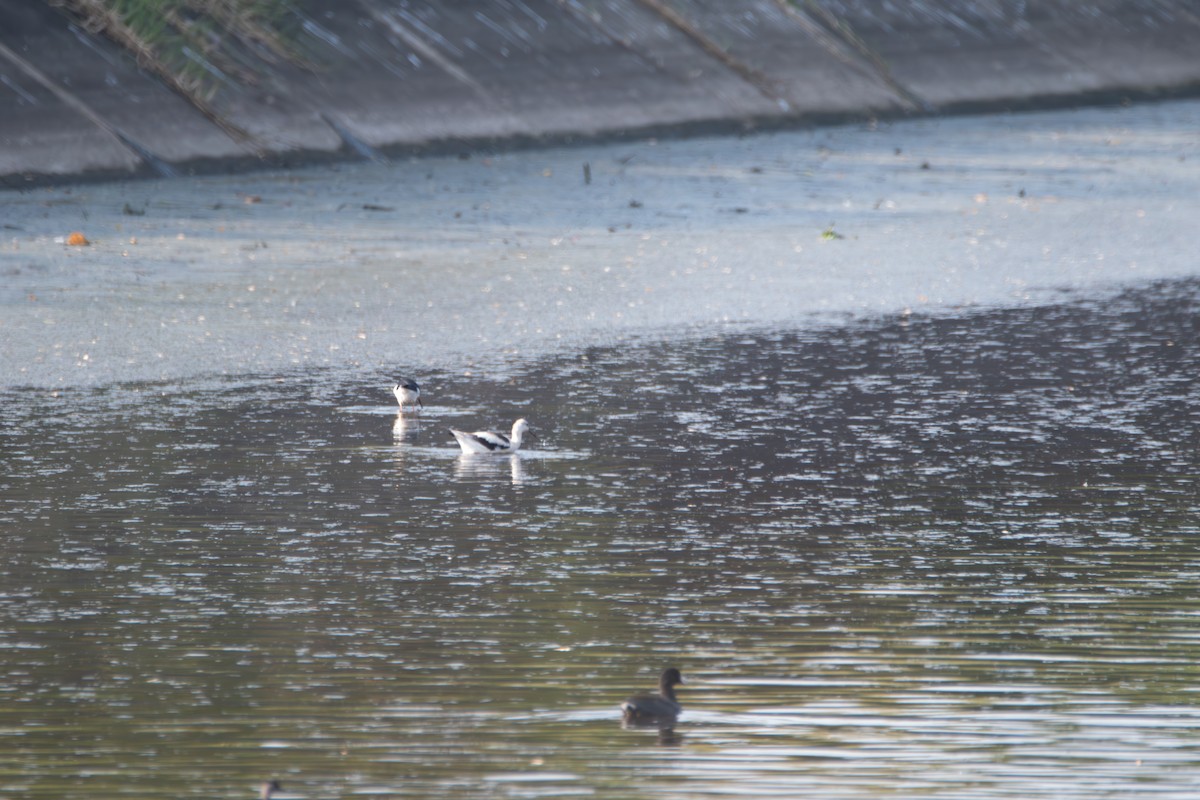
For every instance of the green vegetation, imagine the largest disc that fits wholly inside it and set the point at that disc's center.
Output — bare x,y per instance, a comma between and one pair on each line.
195,46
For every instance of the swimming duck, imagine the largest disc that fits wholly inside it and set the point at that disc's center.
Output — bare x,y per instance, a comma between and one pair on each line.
651,708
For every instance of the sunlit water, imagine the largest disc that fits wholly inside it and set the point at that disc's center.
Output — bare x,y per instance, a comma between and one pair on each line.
908,557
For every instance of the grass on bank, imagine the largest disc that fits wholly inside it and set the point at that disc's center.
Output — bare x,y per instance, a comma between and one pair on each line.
195,46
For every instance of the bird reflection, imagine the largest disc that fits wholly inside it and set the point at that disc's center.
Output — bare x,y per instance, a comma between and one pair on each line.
471,466
665,735
404,425
404,436
669,738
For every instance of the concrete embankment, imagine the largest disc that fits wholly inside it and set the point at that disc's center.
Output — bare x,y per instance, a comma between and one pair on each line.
382,77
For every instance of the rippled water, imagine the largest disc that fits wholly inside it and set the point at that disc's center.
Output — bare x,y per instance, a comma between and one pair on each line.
911,557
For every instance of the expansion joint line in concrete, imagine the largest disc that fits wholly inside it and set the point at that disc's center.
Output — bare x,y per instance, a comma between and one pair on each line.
111,25
141,152
594,21
839,39
351,141
746,72
431,54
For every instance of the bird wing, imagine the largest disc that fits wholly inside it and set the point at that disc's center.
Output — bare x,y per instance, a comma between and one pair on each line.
491,440
481,441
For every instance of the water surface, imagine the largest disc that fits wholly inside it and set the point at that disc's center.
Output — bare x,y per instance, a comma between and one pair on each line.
914,556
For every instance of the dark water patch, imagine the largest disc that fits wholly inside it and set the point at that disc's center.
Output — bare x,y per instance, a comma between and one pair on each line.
925,556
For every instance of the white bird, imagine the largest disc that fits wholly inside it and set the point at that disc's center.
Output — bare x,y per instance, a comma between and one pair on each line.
407,391
491,442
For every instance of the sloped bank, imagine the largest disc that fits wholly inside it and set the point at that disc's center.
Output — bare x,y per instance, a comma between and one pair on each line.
382,77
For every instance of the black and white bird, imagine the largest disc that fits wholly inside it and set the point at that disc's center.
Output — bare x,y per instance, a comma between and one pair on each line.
490,441
655,708
407,393
268,790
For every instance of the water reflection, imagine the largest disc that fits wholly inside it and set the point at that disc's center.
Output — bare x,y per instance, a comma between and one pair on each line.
403,425
484,466
955,554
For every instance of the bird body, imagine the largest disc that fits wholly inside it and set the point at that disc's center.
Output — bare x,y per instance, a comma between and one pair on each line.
654,708
490,441
407,393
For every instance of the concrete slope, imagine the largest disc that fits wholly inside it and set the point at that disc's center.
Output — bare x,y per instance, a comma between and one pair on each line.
388,76
73,103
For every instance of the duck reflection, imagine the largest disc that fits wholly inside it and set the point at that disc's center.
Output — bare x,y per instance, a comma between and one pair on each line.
665,733
667,737
471,466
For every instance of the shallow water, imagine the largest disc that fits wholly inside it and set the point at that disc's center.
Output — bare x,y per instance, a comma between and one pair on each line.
910,557
493,261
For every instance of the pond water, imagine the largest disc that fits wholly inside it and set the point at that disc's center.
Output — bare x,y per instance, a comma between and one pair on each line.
915,556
